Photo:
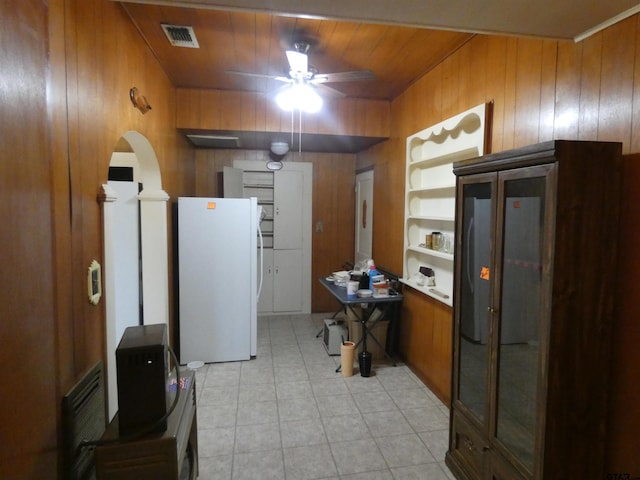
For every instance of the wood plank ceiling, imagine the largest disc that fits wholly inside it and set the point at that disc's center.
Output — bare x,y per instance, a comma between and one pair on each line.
244,40
568,19
256,42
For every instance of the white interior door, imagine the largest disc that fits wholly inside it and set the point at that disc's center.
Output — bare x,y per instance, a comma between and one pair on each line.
287,216
364,216
265,302
287,289
232,182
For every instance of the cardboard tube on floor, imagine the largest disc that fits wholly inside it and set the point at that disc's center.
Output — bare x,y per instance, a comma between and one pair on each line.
347,355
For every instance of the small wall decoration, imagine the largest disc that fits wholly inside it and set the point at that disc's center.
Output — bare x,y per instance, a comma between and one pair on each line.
139,101
94,282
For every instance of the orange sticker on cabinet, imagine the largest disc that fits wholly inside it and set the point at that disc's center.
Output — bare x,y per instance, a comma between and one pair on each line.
484,273
211,205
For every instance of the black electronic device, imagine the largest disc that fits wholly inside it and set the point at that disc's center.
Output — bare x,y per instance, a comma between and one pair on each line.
142,371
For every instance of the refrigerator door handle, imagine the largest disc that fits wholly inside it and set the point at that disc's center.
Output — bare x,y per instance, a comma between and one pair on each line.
261,247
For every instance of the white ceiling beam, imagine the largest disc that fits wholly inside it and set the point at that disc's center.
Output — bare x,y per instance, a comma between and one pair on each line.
555,19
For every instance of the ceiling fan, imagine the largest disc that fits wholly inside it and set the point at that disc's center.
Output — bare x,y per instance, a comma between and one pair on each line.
303,73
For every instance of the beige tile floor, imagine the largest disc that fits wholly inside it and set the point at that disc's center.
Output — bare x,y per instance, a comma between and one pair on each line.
287,415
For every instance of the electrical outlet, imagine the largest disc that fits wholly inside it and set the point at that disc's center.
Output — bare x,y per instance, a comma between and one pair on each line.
319,226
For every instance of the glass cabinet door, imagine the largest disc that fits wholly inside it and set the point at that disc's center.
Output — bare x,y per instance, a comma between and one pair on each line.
475,209
520,245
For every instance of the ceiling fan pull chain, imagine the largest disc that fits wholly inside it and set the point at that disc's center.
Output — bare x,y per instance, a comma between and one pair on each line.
300,132
292,113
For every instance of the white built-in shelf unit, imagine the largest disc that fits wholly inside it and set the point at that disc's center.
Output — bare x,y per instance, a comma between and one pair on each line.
430,196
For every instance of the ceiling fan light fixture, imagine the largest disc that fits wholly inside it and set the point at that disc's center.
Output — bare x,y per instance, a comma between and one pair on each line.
299,96
279,148
285,100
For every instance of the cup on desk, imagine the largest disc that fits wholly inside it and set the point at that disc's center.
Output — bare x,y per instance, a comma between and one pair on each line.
352,288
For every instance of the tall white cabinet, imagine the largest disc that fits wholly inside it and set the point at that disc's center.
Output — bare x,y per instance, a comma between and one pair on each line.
285,196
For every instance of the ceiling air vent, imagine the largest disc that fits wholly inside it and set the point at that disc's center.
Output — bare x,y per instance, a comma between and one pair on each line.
180,36
214,141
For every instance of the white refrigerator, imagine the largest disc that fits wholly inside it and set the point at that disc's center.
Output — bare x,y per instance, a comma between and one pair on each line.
217,271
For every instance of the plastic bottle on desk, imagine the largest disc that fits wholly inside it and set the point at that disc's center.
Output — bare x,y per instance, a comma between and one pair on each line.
372,273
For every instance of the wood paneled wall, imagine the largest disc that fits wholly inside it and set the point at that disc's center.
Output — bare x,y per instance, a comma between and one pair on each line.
105,58
425,340
541,90
64,91
222,110
27,304
334,206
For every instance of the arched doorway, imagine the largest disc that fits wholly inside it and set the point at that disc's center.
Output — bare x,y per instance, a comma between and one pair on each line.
151,271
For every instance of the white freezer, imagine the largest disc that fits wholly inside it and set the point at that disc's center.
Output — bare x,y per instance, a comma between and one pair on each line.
217,252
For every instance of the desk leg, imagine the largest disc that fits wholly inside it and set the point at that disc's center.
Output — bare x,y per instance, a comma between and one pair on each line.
384,311
364,357
366,329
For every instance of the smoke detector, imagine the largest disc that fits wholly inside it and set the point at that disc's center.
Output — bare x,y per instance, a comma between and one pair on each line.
180,35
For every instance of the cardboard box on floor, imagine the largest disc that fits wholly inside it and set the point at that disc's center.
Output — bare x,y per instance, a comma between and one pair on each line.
379,331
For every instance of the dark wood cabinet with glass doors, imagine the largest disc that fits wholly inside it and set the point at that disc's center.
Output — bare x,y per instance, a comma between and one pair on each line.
535,264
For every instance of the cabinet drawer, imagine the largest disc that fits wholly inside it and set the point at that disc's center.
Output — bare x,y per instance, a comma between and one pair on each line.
468,447
502,469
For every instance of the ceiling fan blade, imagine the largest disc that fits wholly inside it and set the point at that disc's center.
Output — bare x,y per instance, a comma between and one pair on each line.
326,91
273,93
356,75
259,75
298,61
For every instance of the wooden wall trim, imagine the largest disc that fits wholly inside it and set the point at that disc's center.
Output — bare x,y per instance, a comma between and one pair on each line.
200,109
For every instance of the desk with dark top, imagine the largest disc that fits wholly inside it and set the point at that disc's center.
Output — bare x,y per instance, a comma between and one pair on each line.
368,304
